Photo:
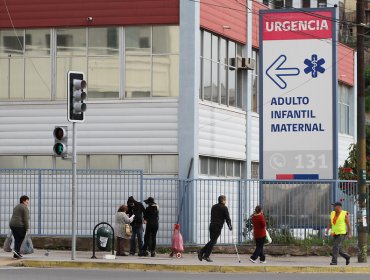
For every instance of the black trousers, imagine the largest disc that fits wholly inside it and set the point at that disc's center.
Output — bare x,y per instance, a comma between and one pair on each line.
214,232
19,234
258,253
150,237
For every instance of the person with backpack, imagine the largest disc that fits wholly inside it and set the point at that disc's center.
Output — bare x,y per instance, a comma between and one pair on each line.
136,208
151,217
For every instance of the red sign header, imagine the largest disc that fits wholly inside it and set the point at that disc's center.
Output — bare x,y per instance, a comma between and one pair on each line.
297,25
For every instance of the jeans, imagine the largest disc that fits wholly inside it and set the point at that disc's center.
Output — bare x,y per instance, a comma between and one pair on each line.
150,237
137,231
258,253
337,248
19,234
214,232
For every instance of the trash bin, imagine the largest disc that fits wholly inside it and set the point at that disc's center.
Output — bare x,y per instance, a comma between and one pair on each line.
104,236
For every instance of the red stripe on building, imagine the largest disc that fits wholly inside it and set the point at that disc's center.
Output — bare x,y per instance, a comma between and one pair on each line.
56,13
284,176
225,17
346,66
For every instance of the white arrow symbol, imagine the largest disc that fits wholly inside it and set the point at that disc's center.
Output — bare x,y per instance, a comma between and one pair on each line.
275,72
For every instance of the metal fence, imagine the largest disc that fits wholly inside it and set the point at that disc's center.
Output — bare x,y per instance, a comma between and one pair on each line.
295,210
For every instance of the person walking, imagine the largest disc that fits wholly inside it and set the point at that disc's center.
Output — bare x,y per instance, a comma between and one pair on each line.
123,238
151,217
19,224
259,232
219,214
136,209
340,229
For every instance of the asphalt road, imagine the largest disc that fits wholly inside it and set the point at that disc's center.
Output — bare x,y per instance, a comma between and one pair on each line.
79,274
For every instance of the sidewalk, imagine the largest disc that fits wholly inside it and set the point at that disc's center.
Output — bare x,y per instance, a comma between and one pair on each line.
189,263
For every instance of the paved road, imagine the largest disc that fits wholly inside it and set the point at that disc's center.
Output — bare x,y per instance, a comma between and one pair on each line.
78,274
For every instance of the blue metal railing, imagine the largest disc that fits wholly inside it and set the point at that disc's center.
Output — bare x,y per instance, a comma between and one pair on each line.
294,209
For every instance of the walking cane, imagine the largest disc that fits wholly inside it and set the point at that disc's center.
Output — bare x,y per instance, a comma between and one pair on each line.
236,248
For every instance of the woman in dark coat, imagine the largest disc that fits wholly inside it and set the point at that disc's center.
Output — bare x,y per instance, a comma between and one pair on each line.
151,218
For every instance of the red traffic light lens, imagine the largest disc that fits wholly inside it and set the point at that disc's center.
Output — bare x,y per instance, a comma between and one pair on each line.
59,133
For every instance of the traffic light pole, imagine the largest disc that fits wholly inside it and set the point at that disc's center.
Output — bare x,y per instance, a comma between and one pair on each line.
74,191
361,134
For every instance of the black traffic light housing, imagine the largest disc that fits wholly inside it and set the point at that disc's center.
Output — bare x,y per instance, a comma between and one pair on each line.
77,95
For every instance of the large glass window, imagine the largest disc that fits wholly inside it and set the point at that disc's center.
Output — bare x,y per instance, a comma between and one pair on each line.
103,63
344,109
152,61
220,79
94,51
218,167
25,64
149,54
71,56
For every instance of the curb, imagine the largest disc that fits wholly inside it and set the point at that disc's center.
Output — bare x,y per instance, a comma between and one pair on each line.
194,268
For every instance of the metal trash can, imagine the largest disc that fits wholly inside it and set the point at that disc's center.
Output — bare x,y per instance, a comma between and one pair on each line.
104,236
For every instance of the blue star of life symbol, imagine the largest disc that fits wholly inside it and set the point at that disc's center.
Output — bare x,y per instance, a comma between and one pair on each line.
314,66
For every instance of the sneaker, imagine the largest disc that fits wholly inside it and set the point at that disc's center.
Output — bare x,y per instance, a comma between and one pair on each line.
262,261
152,254
208,259
200,255
333,263
252,260
348,260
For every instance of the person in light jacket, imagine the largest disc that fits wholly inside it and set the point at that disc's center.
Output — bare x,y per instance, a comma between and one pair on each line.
19,224
123,240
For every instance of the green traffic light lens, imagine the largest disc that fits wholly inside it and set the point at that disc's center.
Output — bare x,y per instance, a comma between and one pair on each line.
58,149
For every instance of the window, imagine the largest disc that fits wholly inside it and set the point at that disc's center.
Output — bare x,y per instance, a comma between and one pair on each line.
71,55
11,162
344,109
135,162
217,167
255,170
288,3
278,4
104,162
103,69
306,3
165,164
221,81
255,83
321,3
39,162
152,61
25,71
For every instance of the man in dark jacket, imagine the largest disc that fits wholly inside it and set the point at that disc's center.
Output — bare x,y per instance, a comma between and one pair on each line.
19,224
219,214
136,208
151,217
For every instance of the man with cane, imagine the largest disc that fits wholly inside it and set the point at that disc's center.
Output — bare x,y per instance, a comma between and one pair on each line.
219,214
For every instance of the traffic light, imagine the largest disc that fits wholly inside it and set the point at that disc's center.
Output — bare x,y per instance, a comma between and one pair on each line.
76,105
60,147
